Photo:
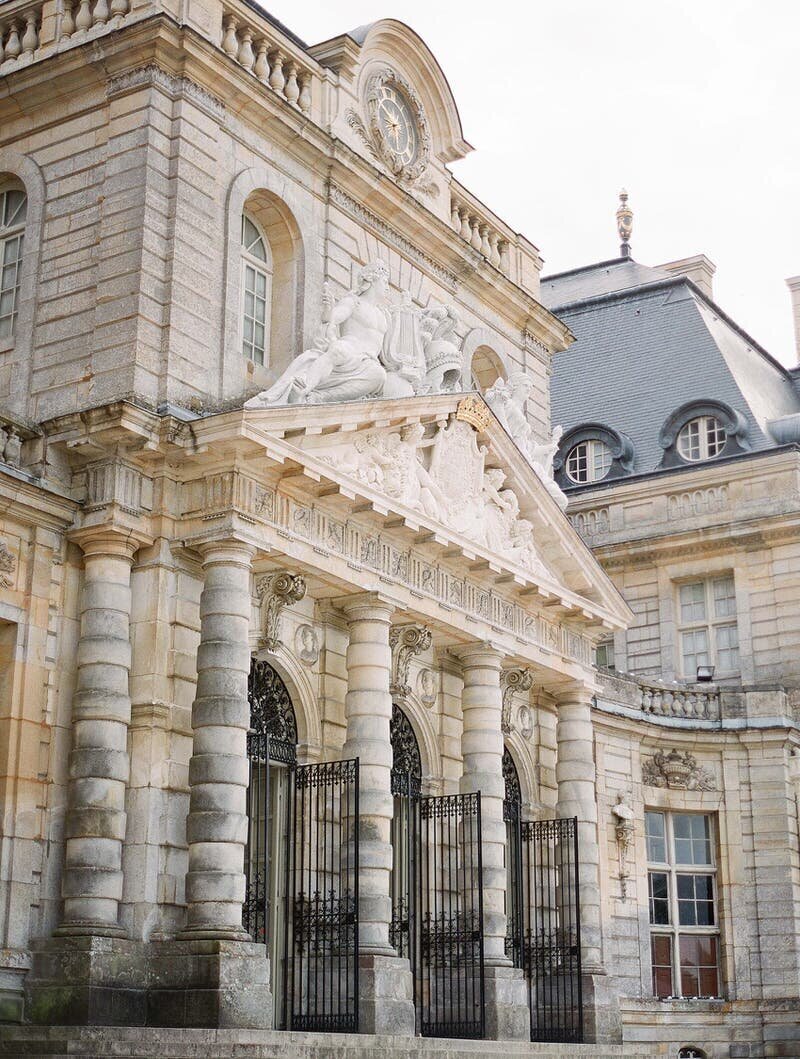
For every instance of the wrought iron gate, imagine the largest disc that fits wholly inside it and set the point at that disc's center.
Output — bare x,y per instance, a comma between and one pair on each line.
437,898
544,936
551,937
322,899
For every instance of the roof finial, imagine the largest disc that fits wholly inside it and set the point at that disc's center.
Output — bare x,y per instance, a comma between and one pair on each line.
624,223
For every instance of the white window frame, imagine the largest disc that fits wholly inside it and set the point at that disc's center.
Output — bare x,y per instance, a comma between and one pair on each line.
672,869
711,624
594,447
14,233
710,432
265,269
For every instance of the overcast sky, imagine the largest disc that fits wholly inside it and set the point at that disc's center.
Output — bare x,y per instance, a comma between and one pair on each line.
692,105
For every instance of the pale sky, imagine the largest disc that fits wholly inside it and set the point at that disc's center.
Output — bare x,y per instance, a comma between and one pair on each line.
692,105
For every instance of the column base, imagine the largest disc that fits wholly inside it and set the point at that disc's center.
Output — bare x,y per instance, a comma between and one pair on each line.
87,981
602,1021
508,1017
386,996
209,984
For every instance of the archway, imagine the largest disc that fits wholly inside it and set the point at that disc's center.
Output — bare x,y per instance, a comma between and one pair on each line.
406,781
512,814
272,752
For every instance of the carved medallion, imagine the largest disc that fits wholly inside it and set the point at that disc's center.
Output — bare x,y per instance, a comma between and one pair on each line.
677,771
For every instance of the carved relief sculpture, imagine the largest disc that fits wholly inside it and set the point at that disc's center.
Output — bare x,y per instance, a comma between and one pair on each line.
366,348
512,681
677,771
8,564
406,641
507,400
306,644
624,829
277,591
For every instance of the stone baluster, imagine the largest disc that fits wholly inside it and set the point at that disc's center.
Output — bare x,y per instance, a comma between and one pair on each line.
505,262
99,765
119,9
83,20
30,39
494,253
507,1014
218,770
466,230
575,776
304,100
246,56
276,76
100,15
475,238
13,46
67,22
455,216
230,42
261,65
485,247
291,89
387,998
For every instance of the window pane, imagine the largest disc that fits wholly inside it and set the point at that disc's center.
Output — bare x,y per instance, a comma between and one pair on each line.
661,956
656,841
692,838
695,900
693,603
698,957
724,597
14,208
728,648
659,898
694,650
578,463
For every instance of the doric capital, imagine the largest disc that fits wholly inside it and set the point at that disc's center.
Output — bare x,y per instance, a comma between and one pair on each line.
120,543
367,606
277,591
406,641
480,654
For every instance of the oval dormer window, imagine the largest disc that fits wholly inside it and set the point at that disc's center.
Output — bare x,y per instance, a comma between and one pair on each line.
702,438
588,461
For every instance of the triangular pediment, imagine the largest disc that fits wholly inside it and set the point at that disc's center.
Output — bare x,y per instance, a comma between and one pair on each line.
444,465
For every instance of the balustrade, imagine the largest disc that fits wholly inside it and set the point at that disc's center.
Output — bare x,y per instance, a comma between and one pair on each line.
476,230
261,55
28,30
680,702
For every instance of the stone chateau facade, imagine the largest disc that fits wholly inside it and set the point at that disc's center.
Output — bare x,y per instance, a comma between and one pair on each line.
304,744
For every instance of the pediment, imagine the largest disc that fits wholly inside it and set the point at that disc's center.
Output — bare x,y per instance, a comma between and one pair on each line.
444,464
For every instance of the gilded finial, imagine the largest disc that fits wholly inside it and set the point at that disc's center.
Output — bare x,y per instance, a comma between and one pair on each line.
624,223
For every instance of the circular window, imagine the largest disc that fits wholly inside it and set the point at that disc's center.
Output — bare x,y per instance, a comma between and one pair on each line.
588,461
701,438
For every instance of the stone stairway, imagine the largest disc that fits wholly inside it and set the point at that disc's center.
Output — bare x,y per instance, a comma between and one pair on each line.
152,1043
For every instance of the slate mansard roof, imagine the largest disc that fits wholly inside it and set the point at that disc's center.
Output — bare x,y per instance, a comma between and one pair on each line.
648,342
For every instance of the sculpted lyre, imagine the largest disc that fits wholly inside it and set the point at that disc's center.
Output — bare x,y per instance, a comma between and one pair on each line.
346,366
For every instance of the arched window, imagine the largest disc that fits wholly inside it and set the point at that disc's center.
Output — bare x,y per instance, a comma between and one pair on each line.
690,1052
588,461
701,438
512,814
13,211
256,291
486,368
406,781
702,430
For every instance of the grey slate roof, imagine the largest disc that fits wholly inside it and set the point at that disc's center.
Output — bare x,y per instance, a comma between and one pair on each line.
647,343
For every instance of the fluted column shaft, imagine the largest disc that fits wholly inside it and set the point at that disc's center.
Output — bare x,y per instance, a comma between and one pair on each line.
368,709
98,764
482,754
575,775
218,770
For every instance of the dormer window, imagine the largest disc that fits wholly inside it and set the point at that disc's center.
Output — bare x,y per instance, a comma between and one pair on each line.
589,461
701,438
592,453
702,430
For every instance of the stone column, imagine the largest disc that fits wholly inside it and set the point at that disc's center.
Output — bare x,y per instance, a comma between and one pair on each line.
98,763
218,770
507,1013
88,972
214,975
386,1003
577,797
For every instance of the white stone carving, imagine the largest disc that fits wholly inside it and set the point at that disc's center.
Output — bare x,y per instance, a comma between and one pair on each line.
624,829
427,687
507,400
513,681
365,348
677,771
8,564
306,644
444,477
406,641
277,591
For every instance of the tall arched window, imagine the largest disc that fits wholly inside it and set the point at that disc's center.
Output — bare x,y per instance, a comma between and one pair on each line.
13,211
256,291
406,780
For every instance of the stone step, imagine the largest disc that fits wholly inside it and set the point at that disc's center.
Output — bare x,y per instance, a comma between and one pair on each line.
151,1043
